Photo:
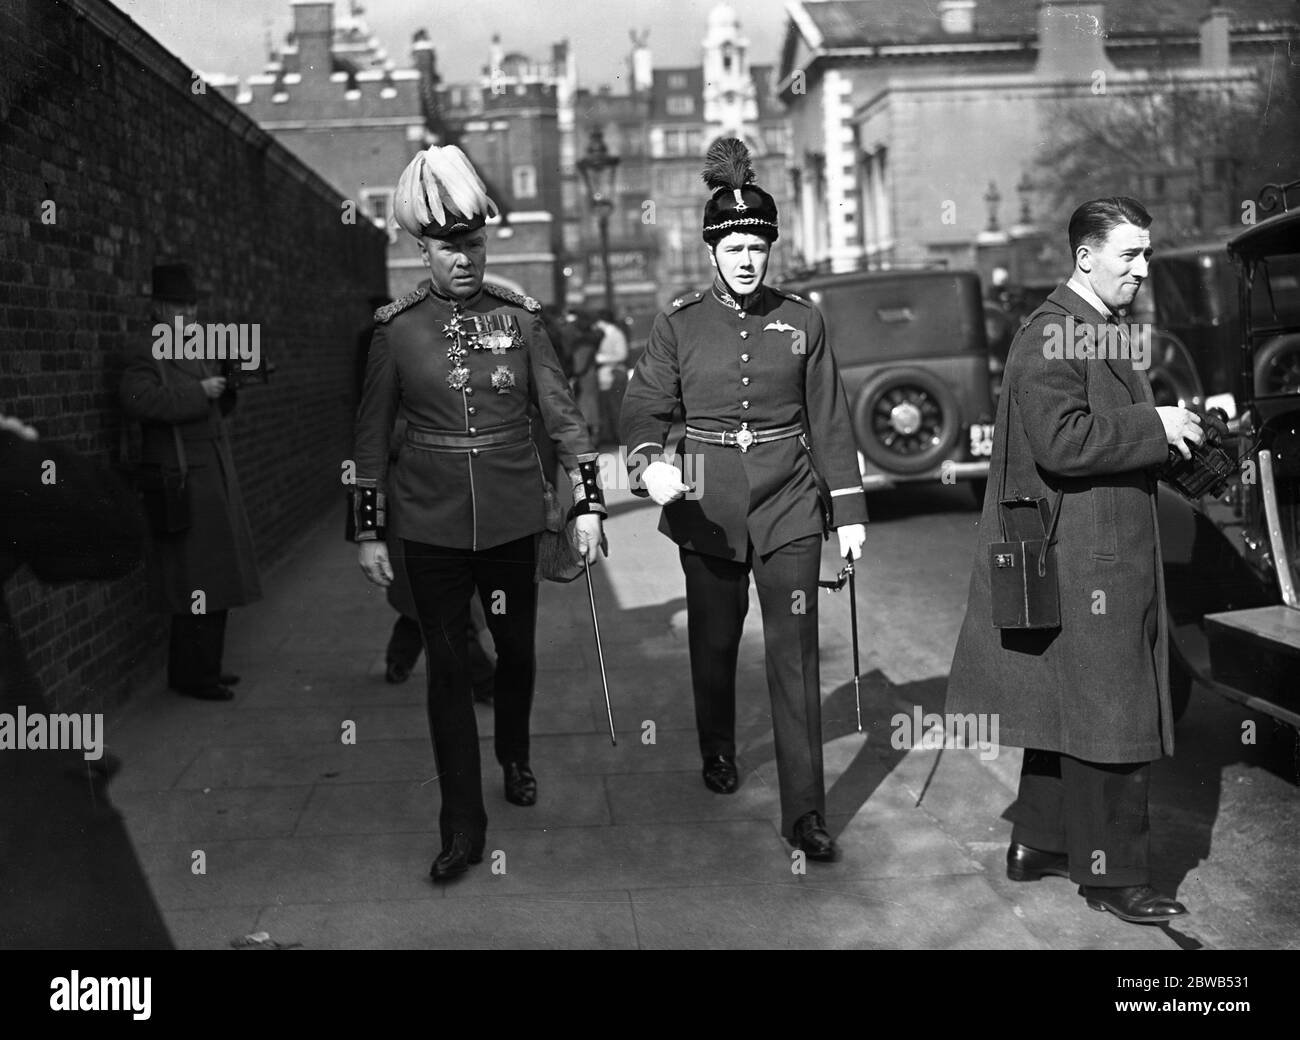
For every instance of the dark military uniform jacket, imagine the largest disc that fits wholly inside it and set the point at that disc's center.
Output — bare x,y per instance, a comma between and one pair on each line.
765,366
473,384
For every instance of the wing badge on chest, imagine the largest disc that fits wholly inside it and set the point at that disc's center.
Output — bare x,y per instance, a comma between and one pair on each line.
778,326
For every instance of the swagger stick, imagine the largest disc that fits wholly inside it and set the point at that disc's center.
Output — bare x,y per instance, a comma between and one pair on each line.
853,619
595,621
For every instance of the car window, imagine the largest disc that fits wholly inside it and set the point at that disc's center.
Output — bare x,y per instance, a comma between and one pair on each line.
901,316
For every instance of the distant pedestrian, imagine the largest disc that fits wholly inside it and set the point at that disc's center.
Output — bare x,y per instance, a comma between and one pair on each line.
202,561
611,374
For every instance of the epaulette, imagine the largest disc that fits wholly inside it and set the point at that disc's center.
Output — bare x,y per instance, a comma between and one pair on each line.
518,299
790,296
685,300
389,311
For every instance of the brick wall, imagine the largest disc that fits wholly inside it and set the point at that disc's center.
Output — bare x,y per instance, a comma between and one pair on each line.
100,120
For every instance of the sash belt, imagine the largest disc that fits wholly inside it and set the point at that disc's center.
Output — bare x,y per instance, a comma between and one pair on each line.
744,438
458,440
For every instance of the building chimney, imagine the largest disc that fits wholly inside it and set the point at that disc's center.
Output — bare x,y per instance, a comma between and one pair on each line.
1214,38
1072,40
313,30
642,68
957,16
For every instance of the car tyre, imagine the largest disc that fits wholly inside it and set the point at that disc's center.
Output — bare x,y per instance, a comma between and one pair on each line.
885,410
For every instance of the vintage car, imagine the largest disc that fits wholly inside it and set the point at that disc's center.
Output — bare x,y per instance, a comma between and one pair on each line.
1193,304
912,353
1232,562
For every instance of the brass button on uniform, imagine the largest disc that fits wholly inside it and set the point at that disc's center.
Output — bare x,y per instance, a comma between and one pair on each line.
469,389
744,334
742,314
473,451
472,430
744,404
745,380
472,410
744,357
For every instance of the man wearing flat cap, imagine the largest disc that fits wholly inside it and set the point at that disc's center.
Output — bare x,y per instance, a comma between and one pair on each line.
466,365
766,421
181,403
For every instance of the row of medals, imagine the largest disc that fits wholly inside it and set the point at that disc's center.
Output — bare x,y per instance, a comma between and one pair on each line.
496,340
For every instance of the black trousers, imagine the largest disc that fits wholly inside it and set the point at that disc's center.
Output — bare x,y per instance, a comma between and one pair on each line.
442,582
1094,812
717,600
195,650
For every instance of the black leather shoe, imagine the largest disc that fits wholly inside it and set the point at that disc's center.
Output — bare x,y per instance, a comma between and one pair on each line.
720,774
228,679
215,692
521,785
811,835
1137,904
397,672
1025,863
455,858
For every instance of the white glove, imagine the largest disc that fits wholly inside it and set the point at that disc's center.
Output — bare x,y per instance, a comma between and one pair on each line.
664,482
851,538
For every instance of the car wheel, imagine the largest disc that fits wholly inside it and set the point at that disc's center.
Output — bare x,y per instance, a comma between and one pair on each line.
1277,368
907,420
1172,372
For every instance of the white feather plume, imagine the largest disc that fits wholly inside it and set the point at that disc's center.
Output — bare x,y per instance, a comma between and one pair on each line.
436,180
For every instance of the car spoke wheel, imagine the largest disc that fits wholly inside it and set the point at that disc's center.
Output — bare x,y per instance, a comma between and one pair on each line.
907,421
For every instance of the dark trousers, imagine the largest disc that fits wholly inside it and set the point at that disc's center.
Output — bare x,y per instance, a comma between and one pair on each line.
717,600
195,650
406,643
1094,812
442,582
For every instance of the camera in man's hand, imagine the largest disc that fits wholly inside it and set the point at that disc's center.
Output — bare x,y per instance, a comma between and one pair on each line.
1208,470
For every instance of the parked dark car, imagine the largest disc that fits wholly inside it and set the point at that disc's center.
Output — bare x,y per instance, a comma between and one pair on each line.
1232,563
1193,301
913,356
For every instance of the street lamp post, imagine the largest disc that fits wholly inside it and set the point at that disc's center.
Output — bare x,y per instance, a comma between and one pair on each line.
597,167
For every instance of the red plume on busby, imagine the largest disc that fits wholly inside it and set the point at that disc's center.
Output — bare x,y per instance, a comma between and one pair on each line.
737,204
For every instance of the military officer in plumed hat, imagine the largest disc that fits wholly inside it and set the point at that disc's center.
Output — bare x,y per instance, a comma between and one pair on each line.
466,364
770,450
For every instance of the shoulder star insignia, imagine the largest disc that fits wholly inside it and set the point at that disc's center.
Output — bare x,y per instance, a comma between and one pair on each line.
389,311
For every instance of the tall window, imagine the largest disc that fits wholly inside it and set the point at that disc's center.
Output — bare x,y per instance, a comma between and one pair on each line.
680,105
377,204
524,182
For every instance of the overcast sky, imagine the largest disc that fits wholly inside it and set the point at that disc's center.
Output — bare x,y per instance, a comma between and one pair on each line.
229,36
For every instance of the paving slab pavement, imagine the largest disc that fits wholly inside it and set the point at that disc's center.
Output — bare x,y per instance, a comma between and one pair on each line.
327,843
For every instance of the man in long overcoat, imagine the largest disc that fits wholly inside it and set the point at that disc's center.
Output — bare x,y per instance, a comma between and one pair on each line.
1089,701
177,401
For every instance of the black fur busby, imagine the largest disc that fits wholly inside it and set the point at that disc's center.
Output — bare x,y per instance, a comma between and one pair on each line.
737,203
